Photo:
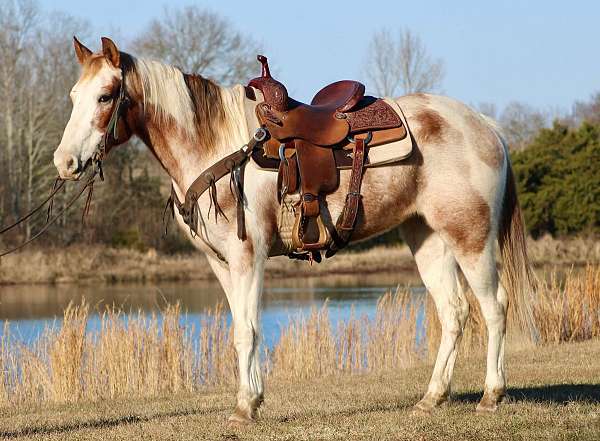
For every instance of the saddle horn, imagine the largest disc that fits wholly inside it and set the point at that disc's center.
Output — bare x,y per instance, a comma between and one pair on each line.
266,73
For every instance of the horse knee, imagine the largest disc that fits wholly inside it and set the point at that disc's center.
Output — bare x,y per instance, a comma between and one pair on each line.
452,321
502,297
453,314
244,335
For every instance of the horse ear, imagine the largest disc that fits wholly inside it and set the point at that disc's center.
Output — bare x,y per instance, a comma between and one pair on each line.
111,53
82,52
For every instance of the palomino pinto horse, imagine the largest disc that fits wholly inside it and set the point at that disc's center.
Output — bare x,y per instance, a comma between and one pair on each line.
453,199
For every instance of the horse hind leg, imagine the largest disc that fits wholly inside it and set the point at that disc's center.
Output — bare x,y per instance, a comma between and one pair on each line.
439,272
482,276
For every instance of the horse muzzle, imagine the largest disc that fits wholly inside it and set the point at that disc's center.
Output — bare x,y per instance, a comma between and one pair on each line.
68,166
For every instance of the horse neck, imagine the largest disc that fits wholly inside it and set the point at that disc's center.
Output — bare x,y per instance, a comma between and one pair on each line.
185,155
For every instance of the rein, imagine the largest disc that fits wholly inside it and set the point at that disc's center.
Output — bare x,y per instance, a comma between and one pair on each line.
88,185
111,135
58,185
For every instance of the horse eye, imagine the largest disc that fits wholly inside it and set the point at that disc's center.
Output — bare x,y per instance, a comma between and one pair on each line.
104,98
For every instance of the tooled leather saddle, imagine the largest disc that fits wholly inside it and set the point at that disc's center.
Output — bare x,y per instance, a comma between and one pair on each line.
308,144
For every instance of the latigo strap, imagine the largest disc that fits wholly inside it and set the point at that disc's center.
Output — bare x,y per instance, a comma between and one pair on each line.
345,224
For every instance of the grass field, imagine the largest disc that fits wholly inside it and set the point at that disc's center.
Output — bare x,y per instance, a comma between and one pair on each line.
555,394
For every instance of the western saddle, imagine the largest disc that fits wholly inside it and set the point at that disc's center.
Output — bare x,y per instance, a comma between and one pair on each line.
308,145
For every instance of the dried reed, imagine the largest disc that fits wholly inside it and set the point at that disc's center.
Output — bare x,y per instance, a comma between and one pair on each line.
143,355
569,309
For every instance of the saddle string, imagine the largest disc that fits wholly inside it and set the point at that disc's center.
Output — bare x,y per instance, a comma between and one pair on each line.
169,207
236,186
214,201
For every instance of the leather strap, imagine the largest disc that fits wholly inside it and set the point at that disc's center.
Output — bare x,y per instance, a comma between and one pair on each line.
347,219
234,164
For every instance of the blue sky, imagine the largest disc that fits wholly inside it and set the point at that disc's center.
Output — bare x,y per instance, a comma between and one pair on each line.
544,53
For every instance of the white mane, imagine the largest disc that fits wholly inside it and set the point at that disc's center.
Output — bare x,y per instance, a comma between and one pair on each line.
164,87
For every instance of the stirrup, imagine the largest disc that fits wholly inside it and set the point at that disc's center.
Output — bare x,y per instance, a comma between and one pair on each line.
300,224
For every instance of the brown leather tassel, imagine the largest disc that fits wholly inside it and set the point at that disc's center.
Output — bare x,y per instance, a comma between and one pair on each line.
236,185
214,202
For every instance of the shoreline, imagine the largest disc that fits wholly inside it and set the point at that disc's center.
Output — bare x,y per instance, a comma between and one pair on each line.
100,264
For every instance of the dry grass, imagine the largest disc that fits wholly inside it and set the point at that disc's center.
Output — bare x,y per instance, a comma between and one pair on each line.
569,309
555,391
99,264
86,264
152,355
357,345
579,251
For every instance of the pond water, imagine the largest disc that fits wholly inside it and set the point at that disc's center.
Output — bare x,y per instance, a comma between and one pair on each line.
30,309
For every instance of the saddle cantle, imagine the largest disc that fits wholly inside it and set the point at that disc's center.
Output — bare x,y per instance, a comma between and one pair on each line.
309,143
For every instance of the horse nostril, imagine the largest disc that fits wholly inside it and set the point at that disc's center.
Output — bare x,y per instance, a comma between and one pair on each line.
72,164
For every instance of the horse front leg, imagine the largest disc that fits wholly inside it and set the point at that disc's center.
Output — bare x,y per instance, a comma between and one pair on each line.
243,285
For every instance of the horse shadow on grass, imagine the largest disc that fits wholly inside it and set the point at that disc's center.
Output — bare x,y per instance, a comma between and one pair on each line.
102,423
550,394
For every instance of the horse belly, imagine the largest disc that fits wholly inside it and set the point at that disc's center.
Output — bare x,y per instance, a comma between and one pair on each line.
388,198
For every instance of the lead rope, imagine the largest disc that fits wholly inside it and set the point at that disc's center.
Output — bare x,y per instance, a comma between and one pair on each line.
50,198
51,205
88,201
74,199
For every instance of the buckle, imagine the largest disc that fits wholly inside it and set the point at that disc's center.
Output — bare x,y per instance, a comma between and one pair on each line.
260,134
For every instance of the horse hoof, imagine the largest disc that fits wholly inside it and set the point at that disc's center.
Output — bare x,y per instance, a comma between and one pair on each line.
489,403
418,410
486,408
237,419
428,403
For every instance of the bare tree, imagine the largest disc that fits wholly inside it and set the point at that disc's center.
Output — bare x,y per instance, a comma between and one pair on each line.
36,72
17,18
200,41
52,71
587,110
402,64
521,123
488,109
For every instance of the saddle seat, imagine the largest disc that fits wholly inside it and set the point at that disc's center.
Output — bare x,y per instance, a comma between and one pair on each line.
322,121
341,96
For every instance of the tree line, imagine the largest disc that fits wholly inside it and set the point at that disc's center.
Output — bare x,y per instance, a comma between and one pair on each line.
553,163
